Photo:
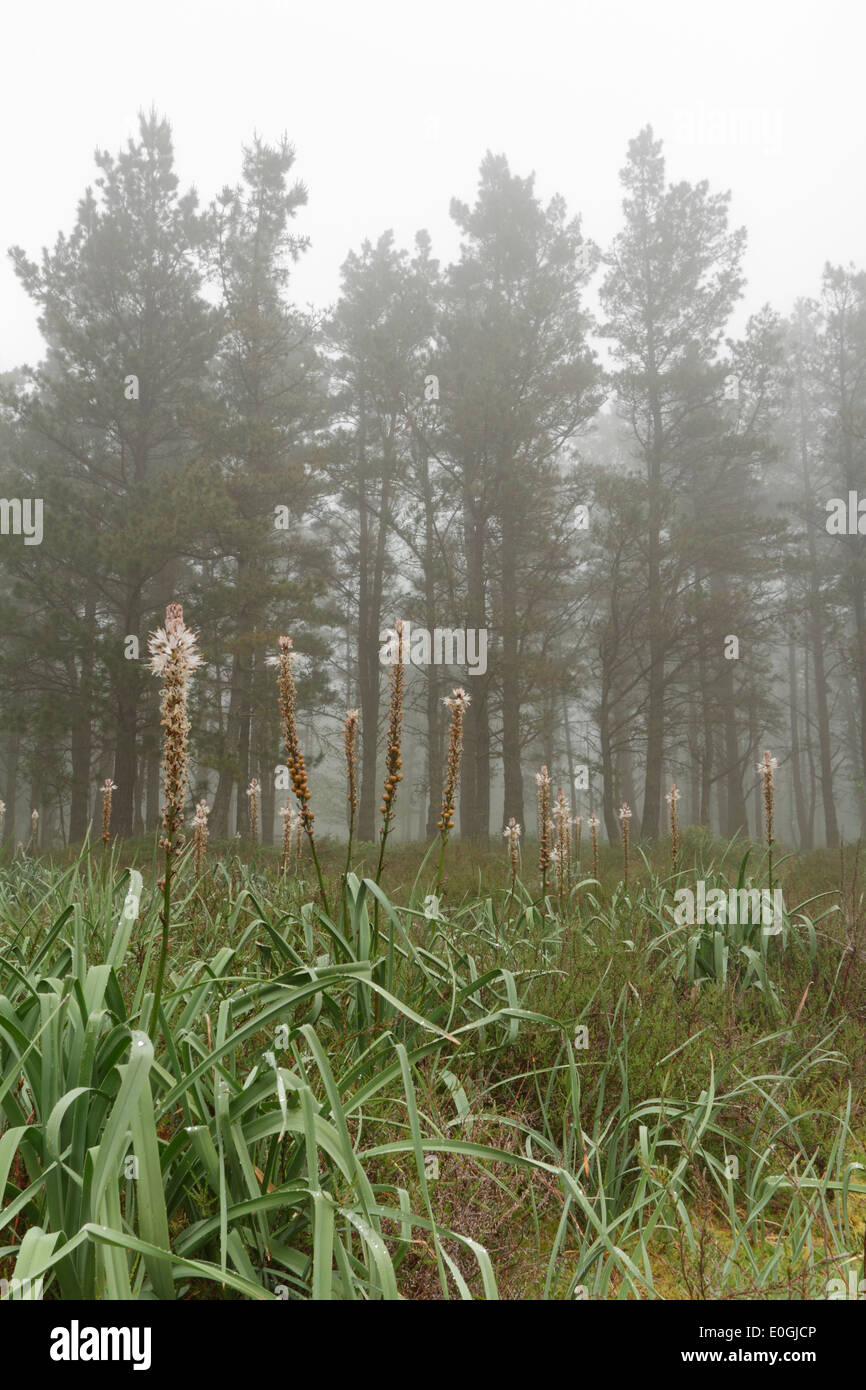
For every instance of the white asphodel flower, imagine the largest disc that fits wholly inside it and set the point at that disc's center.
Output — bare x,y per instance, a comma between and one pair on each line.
459,697
768,766
286,653
165,645
624,811
673,795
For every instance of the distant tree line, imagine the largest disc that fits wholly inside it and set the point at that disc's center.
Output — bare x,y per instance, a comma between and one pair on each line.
656,525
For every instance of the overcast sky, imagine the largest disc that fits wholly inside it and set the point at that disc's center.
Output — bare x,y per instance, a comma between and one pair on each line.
391,106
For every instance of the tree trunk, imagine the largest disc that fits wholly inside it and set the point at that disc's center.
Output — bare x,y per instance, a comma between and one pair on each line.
435,765
801,813
127,695
511,742
656,639
707,761
736,818
694,747
152,794
569,754
368,678
231,768
245,716
81,737
371,580
267,738
13,750
475,797
607,766
80,751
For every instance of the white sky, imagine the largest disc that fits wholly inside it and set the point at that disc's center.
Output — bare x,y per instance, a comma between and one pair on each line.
391,105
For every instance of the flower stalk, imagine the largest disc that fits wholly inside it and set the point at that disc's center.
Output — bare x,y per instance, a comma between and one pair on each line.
294,755
457,703
107,788
174,657
562,852
766,771
577,836
672,797
350,744
512,835
593,835
200,836
253,794
291,824
625,820
393,760
542,780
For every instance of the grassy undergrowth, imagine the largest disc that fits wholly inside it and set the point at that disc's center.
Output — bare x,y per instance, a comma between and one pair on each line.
483,1094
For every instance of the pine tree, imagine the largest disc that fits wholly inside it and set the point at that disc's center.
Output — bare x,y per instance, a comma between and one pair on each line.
673,277
129,338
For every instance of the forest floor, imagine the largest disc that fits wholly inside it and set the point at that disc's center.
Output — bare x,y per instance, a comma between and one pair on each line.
479,1092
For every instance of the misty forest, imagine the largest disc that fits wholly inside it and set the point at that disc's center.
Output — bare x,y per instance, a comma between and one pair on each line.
432,753
651,523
